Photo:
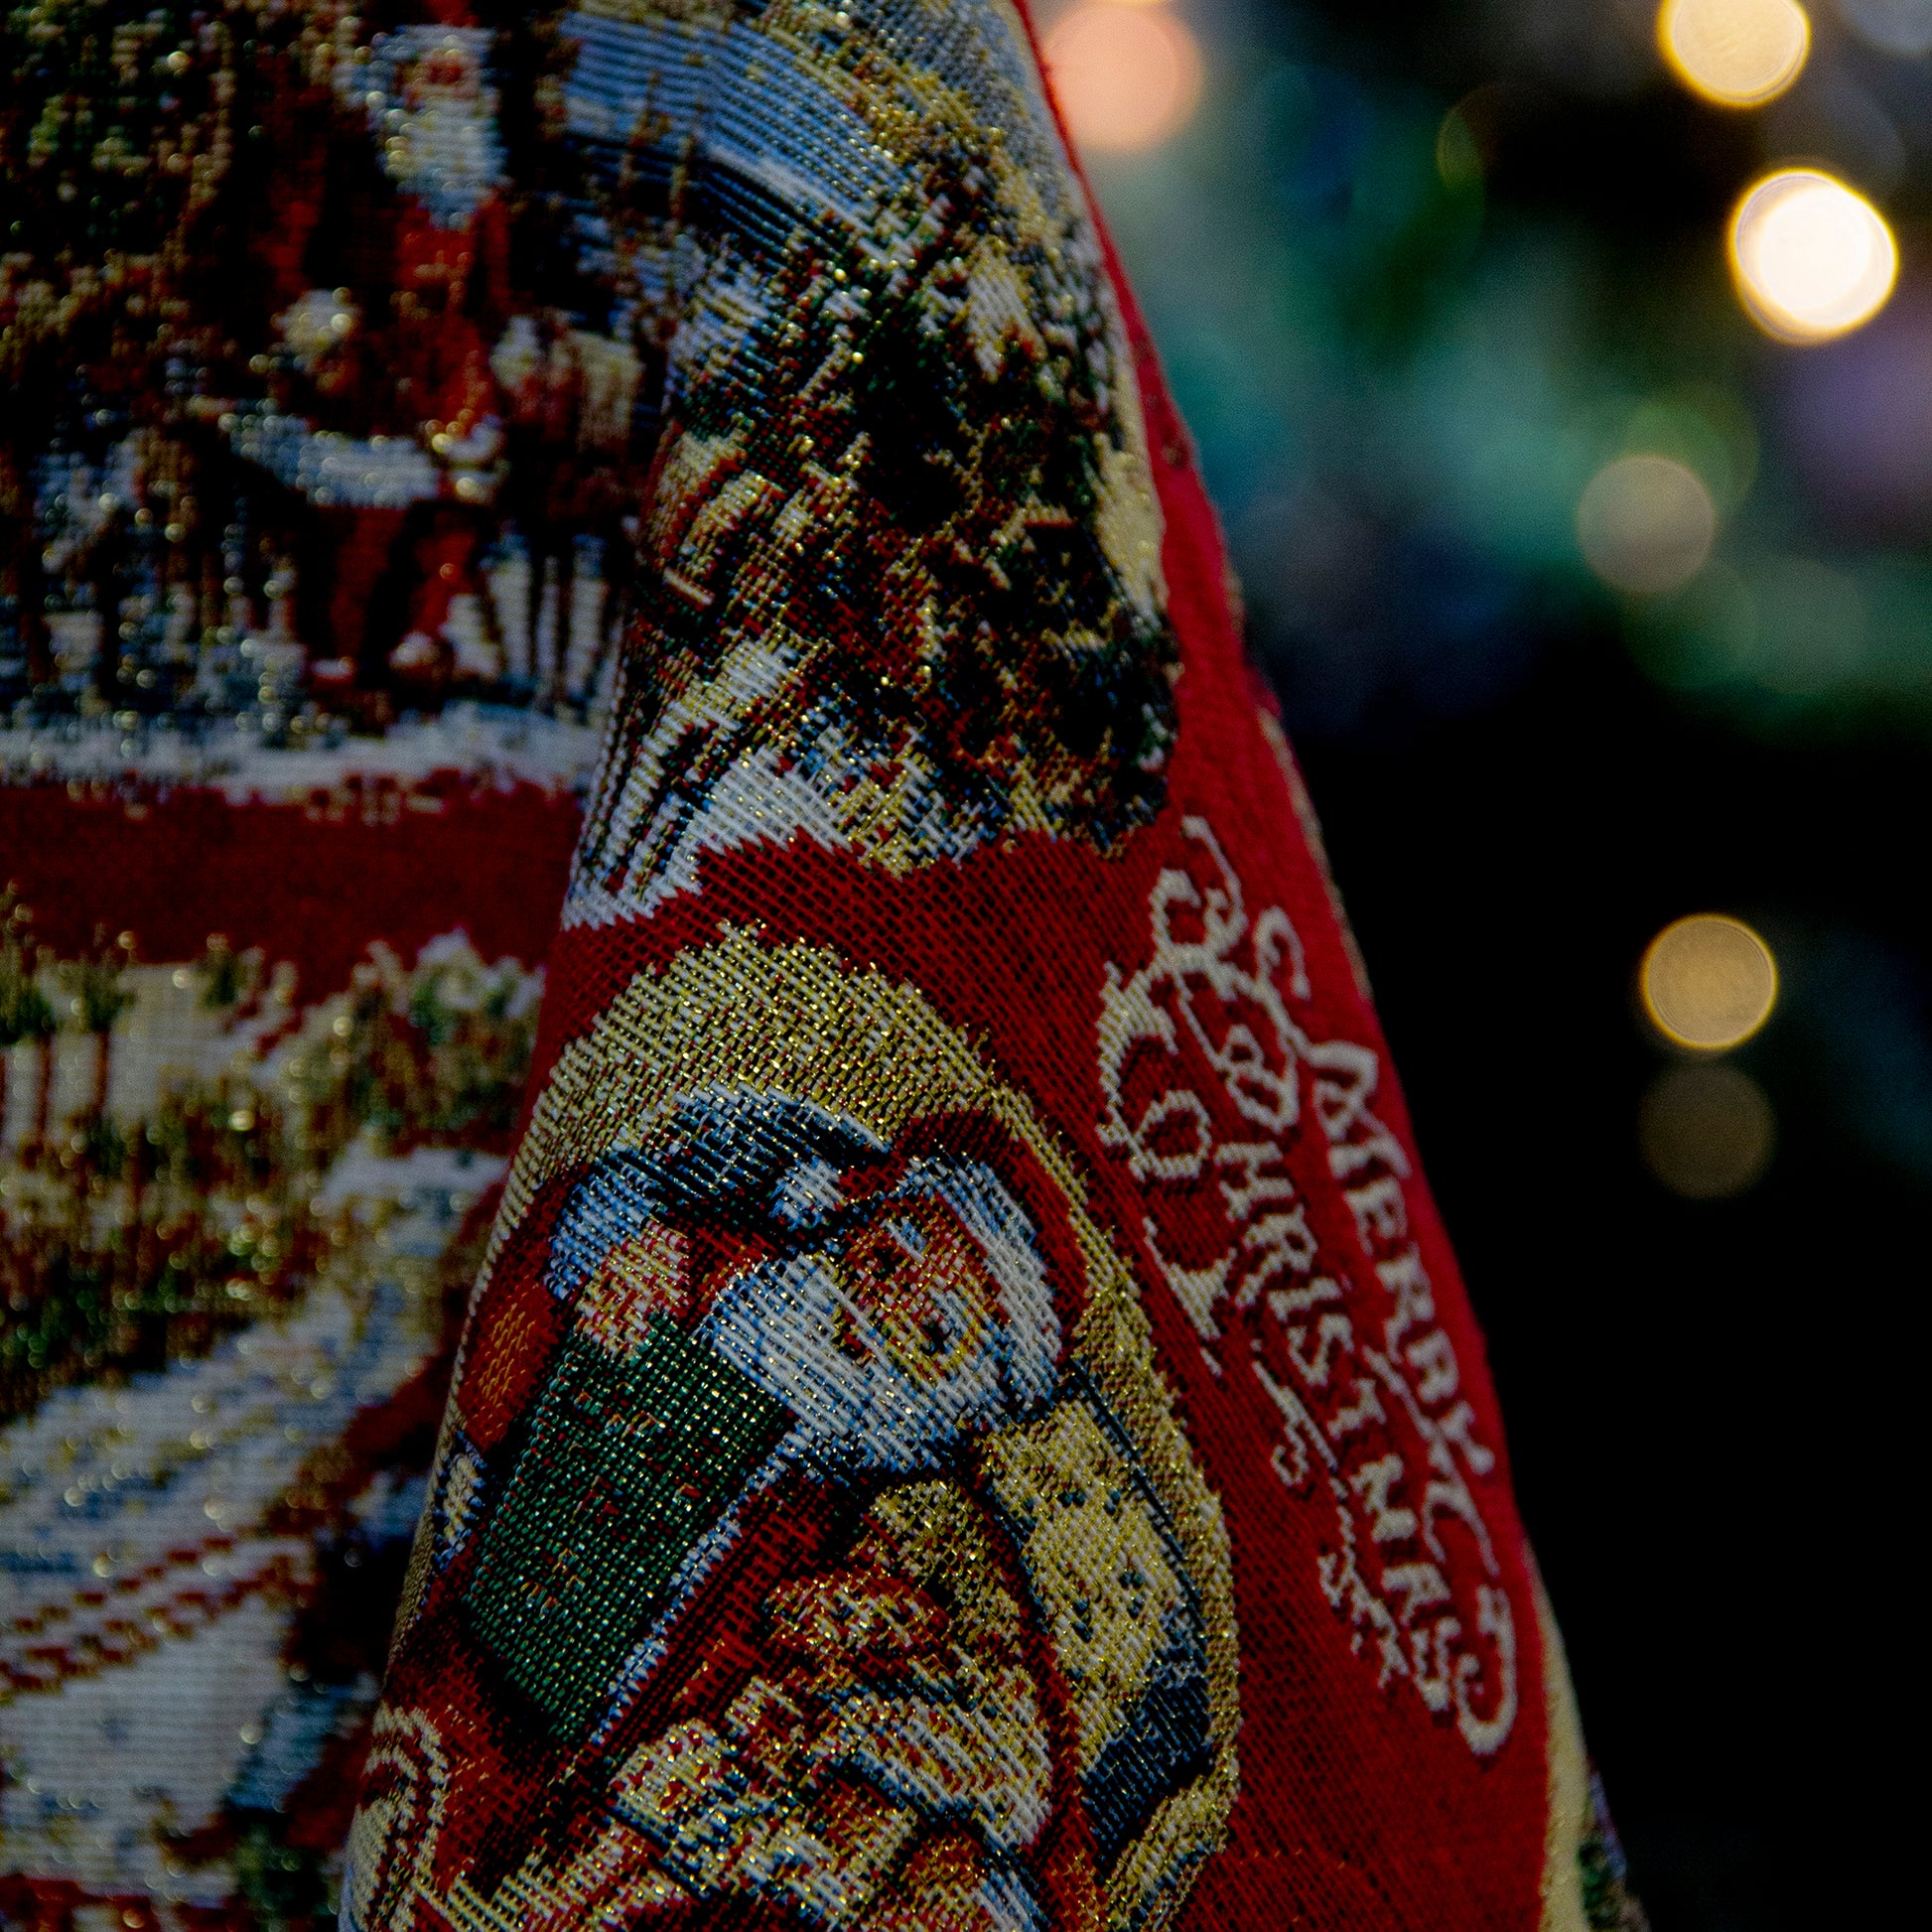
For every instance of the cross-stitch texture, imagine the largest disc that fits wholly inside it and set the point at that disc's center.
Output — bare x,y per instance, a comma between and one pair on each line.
966,1416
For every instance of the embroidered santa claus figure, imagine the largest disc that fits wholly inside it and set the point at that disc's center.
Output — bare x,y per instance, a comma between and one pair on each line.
830,1578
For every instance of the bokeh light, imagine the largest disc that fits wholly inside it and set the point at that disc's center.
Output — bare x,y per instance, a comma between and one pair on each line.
1812,258
1706,1132
1736,53
1126,76
1708,982
1458,157
1645,525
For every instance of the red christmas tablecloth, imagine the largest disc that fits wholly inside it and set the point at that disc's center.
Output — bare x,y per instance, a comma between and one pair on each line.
967,1416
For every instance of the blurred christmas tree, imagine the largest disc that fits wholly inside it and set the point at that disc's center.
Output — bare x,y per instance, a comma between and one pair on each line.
1422,273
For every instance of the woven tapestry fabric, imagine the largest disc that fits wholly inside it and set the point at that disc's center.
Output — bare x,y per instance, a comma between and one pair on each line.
311,565
967,1419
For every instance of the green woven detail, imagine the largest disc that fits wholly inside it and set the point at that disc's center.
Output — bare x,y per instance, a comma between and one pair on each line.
628,1464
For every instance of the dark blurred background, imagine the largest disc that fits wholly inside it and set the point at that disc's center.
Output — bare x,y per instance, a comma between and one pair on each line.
1423,275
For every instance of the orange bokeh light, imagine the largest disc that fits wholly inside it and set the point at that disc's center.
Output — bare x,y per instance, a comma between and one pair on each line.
1126,76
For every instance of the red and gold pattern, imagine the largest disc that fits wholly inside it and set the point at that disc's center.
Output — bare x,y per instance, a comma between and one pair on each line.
968,1420
889,1664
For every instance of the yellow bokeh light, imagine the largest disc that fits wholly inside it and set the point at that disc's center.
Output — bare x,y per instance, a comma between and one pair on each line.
1645,525
1126,76
1736,53
1708,982
1707,1132
1812,258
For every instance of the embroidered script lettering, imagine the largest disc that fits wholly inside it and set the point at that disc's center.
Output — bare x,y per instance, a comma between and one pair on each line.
1225,1107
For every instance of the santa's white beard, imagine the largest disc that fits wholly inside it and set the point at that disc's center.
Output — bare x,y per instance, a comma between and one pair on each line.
780,1324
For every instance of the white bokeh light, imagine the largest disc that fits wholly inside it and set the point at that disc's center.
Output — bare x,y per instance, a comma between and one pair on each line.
1811,257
